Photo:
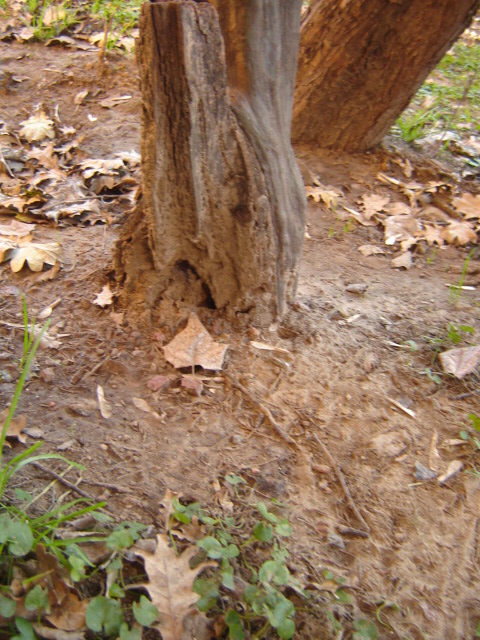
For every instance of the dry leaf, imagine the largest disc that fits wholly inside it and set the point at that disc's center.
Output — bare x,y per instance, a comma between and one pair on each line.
16,229
403,260
17,425
143,405
80,97
373,204
399,209
267,347
35,255
468,204
108,103
105,408
370,250
459,233
322,194
453,468
398,228
47,311
171,585
104,298
37,127
194,346
433,235
460,362
361,217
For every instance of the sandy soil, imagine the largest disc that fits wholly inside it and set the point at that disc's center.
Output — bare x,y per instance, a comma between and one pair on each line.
338,383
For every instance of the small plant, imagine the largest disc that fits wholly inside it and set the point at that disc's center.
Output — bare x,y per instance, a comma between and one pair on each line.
468,437
412,124
456,289
255,558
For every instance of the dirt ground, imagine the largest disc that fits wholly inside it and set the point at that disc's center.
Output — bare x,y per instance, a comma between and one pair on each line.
342,381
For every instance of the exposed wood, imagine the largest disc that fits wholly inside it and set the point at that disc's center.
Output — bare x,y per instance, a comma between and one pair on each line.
221,221
361,62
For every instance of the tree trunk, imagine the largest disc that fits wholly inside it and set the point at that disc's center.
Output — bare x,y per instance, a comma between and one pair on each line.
221,220
361,62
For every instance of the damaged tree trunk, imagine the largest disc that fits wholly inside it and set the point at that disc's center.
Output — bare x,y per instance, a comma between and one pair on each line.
361,62
221,220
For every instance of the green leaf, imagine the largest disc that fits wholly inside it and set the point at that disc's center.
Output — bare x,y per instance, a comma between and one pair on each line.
227,575
234,480
7,607
286,629
184,513
271,517
130,634
37,600
475,421
115,565
25,628
215,550
342,596
272,571
208,590
251,593
22,495
212,546
282,610
119,540
5,521
464,435
234,624
104,614
116,591
77,570
20,538
283,528
263,532
145,612
477,630
366,630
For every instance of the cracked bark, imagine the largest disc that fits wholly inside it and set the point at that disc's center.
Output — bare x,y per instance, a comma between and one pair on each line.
221,220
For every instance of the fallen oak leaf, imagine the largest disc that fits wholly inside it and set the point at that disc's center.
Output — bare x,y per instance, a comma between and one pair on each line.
35,255
459,233
171,584
403,260
104,298
37,127
468,204
370,250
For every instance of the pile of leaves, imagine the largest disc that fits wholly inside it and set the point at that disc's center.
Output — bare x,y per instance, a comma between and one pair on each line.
45,177
418,215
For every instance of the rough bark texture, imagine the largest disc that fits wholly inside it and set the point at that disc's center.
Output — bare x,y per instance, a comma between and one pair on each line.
361,61
222,216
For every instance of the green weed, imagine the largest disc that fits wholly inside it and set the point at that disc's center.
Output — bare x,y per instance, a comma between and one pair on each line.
456,289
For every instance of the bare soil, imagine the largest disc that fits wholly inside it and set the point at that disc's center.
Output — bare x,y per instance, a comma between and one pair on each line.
336,384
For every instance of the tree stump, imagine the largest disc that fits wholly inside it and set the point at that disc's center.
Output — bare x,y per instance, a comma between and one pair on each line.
221,219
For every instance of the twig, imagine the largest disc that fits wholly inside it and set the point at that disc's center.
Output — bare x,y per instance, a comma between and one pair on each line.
345,488
266,412
107,485
61,479
75,379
